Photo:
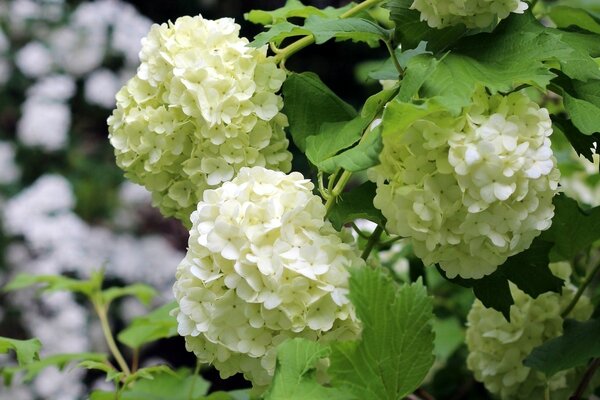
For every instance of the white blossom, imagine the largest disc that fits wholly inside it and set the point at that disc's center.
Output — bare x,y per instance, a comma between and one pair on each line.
497,347
201,106
44,124
472,190
262,266
471,13
34,60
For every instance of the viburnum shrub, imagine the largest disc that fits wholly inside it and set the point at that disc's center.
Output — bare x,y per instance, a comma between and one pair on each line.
452,172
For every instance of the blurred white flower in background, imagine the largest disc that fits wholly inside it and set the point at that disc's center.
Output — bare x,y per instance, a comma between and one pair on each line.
9,170
34,59
101,86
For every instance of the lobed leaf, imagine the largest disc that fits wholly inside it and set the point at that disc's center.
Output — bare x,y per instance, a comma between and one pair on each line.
27,351
296,370
53,283
396,348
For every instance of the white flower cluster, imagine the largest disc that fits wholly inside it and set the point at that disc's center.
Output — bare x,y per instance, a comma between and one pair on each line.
262,266
201,106
472,13
497,347
472,190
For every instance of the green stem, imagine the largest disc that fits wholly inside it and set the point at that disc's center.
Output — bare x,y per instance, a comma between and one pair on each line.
102,315
298,45
584,284
196,372
373,239
399,68
337,190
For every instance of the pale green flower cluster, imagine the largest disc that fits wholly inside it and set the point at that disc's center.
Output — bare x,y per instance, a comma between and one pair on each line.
262,266
472,13
497,347
201,106
472,190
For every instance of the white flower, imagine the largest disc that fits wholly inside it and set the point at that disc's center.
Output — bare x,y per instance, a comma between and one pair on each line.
34,60
100,88
472,13
497,347
53,87
44,124
201,106
262,266
472,190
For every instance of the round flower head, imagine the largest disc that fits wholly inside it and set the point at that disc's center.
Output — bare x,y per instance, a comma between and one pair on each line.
472,190
497,347
201,106
262,266
472,13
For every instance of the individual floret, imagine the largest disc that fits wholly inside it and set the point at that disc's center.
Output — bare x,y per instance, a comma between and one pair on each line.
262,266
472,190
472,13
497,347
201,106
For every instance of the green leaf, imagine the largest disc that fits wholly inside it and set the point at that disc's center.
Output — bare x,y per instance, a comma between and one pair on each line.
158,324
242,394
355,29
582,144
333,137
295,373
354,204
575,347
565,17
399,115
388,71
449,336
54,283
358,158
27,351
306,95
149,373
58,360
278,33
111,373
410,30
168,385
520,51
292,9
143,293
572,230
584,115
396,348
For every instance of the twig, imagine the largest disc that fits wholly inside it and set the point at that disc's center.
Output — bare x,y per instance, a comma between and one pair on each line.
585,381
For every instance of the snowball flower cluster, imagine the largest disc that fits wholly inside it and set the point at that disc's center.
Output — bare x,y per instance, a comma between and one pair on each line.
472,13
472,190
262,266
201,106
497,347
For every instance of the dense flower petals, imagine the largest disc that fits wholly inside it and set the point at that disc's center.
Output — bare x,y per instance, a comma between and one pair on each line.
472,190
262,266
201,106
